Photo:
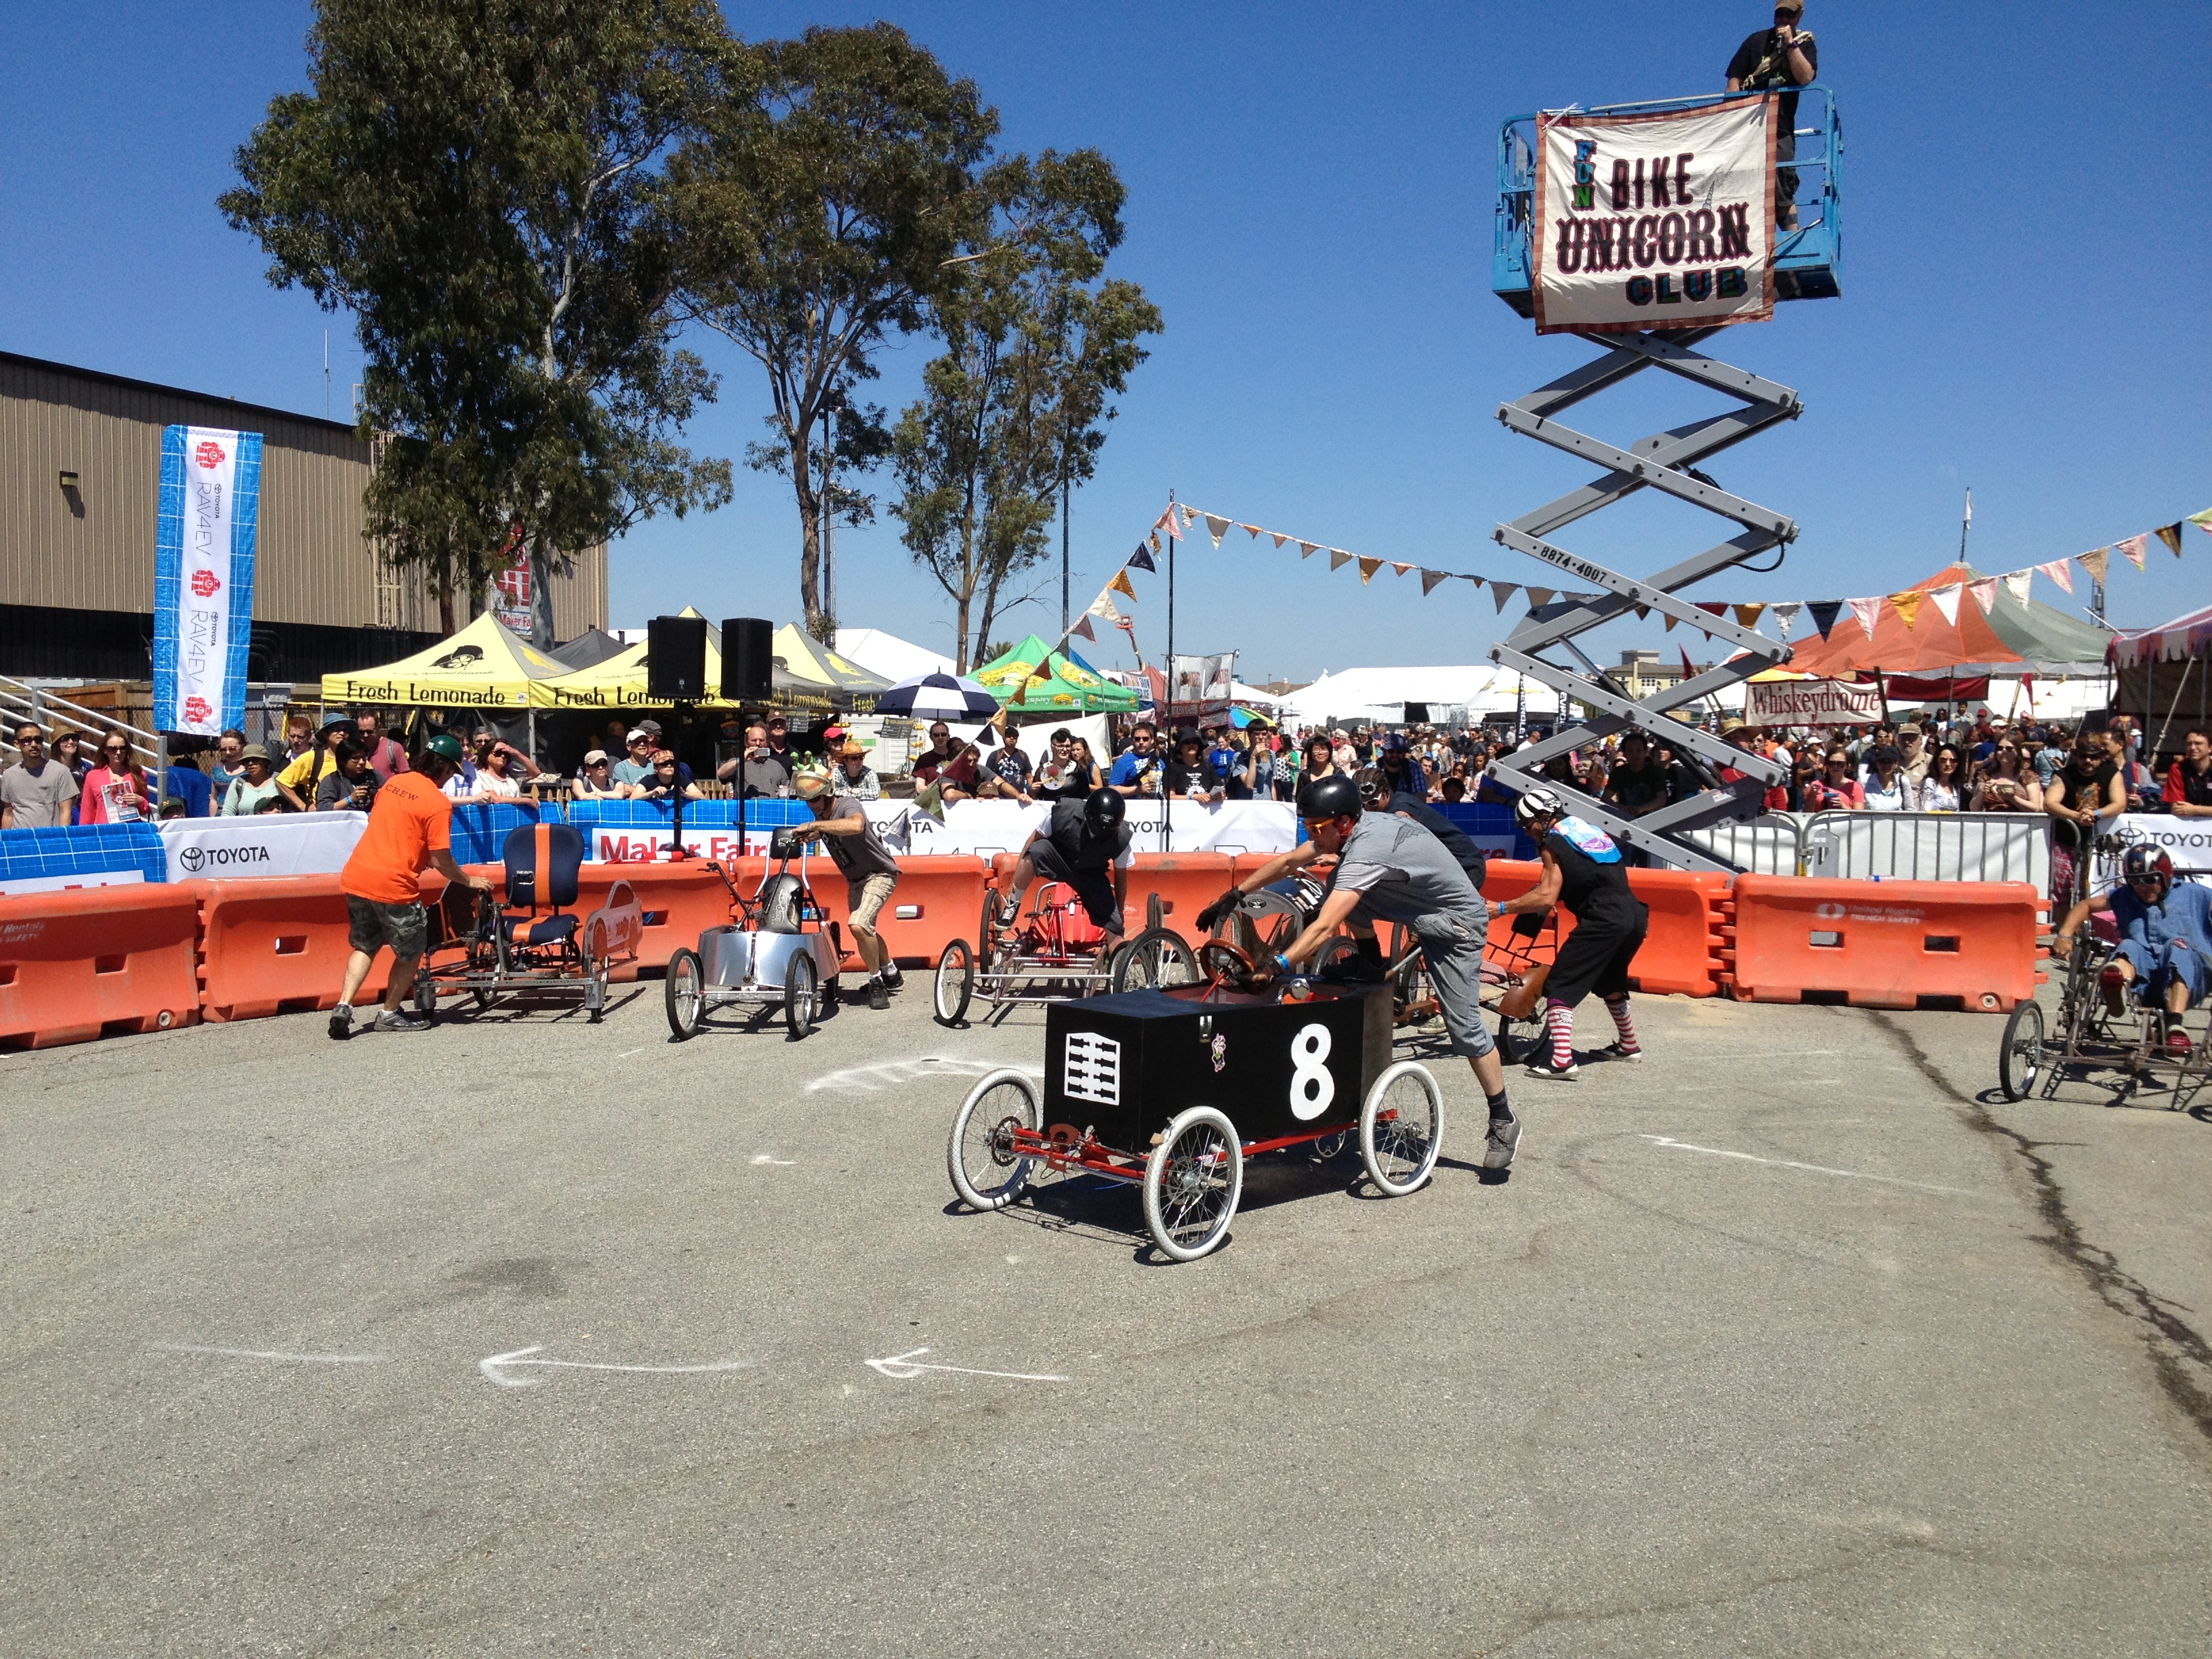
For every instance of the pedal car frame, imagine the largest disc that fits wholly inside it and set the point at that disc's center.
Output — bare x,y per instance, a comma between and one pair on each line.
777,949
1135,1085
1049,953
2034,1060
532,942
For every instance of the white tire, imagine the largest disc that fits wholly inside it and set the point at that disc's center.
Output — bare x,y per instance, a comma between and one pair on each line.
1193,1182
1401,1128
986,1172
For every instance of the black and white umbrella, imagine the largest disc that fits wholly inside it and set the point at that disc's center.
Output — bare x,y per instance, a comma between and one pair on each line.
938,697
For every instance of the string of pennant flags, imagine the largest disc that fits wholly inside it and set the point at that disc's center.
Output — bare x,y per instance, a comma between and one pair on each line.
1179,519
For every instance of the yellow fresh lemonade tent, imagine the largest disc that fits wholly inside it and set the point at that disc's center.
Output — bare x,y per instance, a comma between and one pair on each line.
810,661
620,682
485,666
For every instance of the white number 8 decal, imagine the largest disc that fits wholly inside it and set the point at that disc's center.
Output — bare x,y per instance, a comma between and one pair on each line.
1311,1086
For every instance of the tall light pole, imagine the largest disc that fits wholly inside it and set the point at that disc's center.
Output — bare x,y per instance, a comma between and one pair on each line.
828,514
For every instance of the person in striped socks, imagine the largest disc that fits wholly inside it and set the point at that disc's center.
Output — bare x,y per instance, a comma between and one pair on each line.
1584,871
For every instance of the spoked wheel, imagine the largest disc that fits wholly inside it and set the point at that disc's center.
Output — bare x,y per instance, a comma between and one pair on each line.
1524,1039
986,1172
685,992
1153,961
801,987
956,983
1192,1182
1401,1128
1332,949
2019,1061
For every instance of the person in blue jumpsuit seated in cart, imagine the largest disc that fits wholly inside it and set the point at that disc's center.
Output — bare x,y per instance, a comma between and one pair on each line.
2166,937
1390,867
1080,844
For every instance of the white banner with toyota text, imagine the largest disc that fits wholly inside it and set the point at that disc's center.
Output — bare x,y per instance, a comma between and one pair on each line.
1656,221
261,844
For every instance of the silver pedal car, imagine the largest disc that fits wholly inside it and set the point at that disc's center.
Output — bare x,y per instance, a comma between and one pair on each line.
778,949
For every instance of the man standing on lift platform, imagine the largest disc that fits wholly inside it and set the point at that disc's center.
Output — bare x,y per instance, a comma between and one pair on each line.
1782,56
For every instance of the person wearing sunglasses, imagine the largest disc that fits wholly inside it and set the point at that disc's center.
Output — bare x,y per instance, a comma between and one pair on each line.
38,790
2164,955
115,791
1782,57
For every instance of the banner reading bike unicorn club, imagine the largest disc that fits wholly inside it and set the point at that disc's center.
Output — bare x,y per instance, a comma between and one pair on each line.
203,577
1662,221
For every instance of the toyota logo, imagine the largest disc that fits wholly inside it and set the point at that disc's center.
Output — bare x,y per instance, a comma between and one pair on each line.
192,857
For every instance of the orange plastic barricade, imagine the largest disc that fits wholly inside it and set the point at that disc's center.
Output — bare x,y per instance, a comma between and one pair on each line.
939,899
1186,884
1508,878
277,944
1685,950
681,899
92,961
1965,945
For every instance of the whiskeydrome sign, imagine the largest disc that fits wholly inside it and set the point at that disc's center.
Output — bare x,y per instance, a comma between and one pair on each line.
1663,220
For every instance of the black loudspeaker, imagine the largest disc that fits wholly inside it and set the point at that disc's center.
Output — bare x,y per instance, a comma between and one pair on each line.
676,658
748,672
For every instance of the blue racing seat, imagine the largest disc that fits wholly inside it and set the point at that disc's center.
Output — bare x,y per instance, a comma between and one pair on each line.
544,862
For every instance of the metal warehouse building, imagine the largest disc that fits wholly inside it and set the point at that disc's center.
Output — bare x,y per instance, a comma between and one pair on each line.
80,485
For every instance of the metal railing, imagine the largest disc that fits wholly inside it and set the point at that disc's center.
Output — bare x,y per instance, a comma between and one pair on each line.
1888,846
19,702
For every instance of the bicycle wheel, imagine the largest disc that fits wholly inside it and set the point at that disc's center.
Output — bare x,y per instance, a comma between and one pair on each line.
2020,1059
800,988
1192,1182
986,1172
1153,961
956,983
1401,1128
683,991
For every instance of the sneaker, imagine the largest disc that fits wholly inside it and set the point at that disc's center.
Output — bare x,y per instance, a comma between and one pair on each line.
893,979
342,1022
1504,1140
2177,1041
1008,911
879,997
1617,1051
398,1019
1545,1068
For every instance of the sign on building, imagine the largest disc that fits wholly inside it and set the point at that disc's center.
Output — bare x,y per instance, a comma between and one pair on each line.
204,551
1660,221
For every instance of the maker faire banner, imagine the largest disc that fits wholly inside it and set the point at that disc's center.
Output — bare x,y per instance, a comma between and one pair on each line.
1663,221
203,578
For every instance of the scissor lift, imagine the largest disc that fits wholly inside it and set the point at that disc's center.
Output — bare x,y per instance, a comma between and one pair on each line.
1806,266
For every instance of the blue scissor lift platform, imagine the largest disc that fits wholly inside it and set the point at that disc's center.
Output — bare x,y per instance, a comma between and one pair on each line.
1807,260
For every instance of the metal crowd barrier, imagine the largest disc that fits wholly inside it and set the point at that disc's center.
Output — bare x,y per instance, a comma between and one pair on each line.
1893,846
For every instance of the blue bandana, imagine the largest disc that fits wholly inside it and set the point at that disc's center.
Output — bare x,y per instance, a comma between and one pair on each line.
1592,842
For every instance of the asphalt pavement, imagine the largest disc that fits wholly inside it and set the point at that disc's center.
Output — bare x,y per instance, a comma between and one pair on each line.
530,1336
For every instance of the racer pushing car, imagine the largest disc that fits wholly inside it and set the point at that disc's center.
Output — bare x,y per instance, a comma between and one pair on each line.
2165,954
870,873
1584,871
1390,867
1086,844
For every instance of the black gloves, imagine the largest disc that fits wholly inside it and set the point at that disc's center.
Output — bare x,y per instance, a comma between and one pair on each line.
1214,914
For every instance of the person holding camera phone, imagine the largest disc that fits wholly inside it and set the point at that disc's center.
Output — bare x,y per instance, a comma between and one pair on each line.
1782,56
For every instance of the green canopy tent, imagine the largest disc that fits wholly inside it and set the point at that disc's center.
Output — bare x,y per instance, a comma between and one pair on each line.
1029,678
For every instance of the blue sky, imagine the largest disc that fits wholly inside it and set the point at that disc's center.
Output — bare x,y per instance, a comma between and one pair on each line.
1310,199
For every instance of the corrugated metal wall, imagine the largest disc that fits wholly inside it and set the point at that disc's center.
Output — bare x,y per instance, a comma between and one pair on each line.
93,548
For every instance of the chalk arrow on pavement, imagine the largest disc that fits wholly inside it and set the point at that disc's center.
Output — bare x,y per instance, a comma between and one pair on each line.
904,1368
497,1367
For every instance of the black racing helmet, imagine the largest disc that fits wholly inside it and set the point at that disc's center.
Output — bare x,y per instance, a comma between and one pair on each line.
1103,809
1332,797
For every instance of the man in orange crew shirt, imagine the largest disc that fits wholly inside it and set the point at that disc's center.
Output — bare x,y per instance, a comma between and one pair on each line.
411,828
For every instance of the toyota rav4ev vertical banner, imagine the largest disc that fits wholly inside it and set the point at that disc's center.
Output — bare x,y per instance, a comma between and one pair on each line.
1663,220
203,578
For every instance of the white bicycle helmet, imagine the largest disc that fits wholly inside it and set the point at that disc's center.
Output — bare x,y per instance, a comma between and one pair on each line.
1539,803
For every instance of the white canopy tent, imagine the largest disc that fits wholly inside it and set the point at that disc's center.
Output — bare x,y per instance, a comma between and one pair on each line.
1379,695
888,656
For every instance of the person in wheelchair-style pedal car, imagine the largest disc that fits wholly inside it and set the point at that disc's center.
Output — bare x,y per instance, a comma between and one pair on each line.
2164,958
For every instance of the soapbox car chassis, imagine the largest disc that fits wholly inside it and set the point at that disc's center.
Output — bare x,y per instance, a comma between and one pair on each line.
2033,1059
1192,1173
777,950
492,962
1049,953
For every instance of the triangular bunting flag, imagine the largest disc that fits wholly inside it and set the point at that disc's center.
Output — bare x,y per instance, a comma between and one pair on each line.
1787,615
1501,592
1947,600
1429,581
1166,520
1121,583
1083,627
1477,581
1824,613
2170,535
1251,530
1307,550
2060,571
2135,547
1103,607
1689,668
1217,528
1908,604
1400,569
2202,521
1338,558
1538,596
1867,611
2095,564
1671,619
1141,559
1643,613
1367,569
2017,582
1747,616
1985,592
1710,607
1279,540
1190,516
1154,540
